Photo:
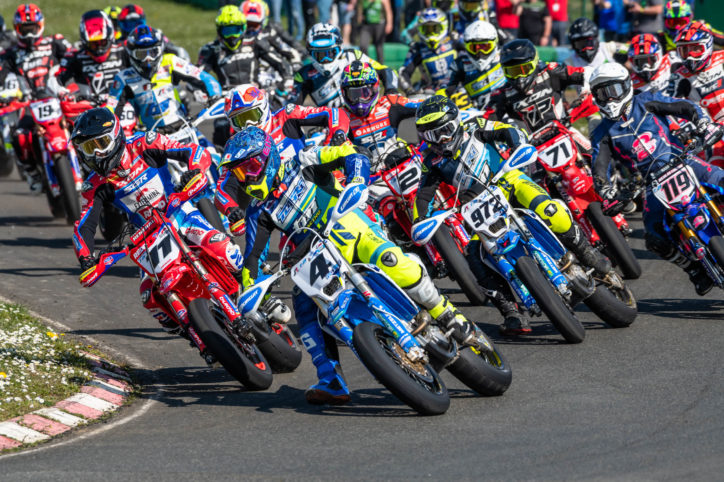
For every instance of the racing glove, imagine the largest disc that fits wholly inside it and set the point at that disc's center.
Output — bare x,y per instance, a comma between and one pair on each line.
186,177
338,138
710,132
87,262
236,221
613,202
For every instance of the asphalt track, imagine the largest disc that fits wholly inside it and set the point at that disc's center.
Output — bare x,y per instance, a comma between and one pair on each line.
644,402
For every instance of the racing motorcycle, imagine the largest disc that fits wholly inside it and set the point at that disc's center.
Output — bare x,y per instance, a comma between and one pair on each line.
569,178
197,289
364,309
517,244
9,98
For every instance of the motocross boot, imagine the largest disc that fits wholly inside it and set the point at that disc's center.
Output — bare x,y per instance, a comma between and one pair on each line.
35,181
701,279
514,322
697,274
331,389
576,242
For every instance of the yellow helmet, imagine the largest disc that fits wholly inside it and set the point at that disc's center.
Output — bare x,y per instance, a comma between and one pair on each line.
113,11
230,26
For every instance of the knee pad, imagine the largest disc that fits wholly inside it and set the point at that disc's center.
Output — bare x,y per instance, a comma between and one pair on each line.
555,215
424,292
403,270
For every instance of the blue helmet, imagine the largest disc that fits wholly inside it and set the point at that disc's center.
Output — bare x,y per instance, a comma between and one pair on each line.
145,49
253,158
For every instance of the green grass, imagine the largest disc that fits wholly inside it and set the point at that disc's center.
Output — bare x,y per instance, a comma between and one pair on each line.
38,367
183,24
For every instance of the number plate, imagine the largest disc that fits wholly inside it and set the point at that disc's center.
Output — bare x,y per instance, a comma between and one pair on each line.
46,110
674,185
488,212
156,252
317,274
404,179
558,153
128,115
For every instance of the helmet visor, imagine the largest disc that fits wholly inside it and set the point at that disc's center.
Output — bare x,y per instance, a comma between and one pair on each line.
470,6
28,29
480,46
97,145
356,95
231,31
441,134
146,55
325,55
611,91
249,169
99,46
676,23
431,29
693,50
518,71
246,118
585,43
644,62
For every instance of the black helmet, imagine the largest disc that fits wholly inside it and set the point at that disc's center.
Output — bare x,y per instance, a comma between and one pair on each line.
519,59
583,36
438,123
99,140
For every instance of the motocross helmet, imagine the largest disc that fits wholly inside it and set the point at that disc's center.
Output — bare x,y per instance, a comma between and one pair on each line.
444,5
324,44
677,15
29,24
695,45
583,37
255,15
131,16
432,27
438,123
519,59
481,42
113,12
471,10
230,26
96,34
612,90
645,55
252,157
99,140
247,105
360,88
145,49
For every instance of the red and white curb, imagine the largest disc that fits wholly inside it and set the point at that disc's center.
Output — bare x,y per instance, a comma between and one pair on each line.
104,393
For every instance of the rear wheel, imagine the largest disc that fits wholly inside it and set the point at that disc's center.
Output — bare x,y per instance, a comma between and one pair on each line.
615,245
68,193
458,265
281,349
414,383
242,360
488,374
549,301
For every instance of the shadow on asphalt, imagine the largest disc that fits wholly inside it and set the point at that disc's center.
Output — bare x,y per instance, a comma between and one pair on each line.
32,221
40,272
684,308
152,333
57,243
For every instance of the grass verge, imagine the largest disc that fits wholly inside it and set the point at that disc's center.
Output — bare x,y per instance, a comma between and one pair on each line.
38,367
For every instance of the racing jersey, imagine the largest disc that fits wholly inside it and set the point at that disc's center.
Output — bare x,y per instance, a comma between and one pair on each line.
543,101
670,46
34,63
285,128
81,67
240,66
145,185
157,99
324,87
705,87
478,83
436,64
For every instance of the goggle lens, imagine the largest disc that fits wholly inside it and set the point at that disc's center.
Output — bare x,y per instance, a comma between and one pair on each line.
440,134
147,54
248,170
326,55
100,145
359,94
690,50
608,92
246,117
484,47
517,71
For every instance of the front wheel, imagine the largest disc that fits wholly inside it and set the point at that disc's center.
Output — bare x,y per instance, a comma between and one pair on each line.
615,244
489,374
615,307
281,349
458,265
68,193
549,301
242,360
716,246
415,383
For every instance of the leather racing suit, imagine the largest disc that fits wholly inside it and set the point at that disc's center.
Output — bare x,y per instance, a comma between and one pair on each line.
83,69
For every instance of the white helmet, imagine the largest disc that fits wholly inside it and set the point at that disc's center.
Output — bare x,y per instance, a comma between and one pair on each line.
247,105
481,42
324,45
611,89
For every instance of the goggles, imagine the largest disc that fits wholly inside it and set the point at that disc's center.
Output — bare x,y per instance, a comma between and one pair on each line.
130,25
441,134
522,70
253,25
676,23
325,55
246,118
359,94
643,62
480,46
694,50
470,6
585,43
98,145
249,169
147,54
428,29
231,31
99,45
26,29
612,91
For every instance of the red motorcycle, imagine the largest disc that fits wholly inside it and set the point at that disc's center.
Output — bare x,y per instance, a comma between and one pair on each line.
569,178
195,287
401,171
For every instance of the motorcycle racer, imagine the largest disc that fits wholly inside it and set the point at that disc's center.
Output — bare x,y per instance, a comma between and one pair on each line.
133,175
248,106
33,58
257,25
113,12
320,78
677,16
132,16
651,67
278,188
588,51
635,131
438,123
150,83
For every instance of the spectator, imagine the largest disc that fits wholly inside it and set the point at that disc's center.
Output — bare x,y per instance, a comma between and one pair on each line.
534,22
508,20
293,9
612,20
397,12
376,23
310,17
646,15
345,12
558,9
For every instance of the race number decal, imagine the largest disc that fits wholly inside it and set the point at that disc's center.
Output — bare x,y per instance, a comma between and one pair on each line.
485,212
558,153
409,178
160,254
46,110
674,185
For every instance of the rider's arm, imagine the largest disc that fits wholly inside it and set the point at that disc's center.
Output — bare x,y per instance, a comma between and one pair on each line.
118,94
412,60
191,74
264,51
602,156
662,105
61,46
227,192
494,131
157,149
387,75
298,115
299,89
259,227
566,76
429,182
94,193
319,161
401,108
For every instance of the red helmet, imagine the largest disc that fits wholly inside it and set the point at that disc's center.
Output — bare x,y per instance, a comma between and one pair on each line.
131,16
645,54
96,34
29,24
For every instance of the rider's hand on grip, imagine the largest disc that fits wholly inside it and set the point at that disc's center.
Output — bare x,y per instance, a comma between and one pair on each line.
185,178
236,221
612,207
88,266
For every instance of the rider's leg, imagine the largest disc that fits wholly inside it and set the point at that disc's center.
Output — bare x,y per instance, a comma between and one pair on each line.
23,143
154,304
331,387
535,198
